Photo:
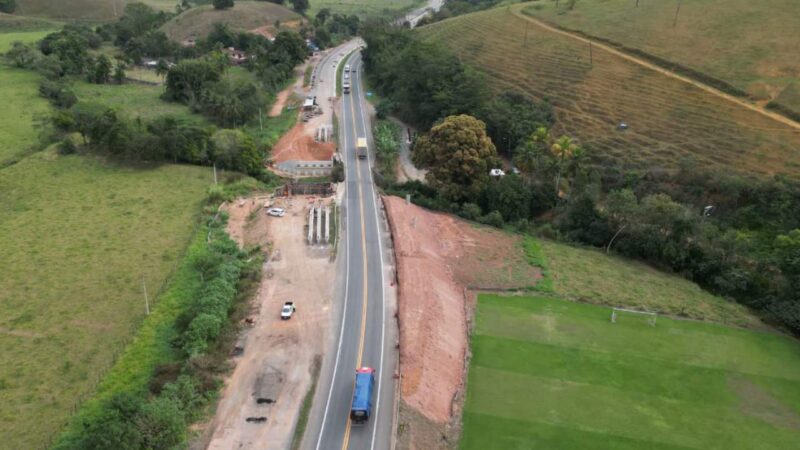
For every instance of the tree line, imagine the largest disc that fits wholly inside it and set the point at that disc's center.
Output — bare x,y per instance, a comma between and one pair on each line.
734,234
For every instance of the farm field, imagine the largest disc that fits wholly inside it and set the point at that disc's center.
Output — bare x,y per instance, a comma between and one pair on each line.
363,7
84,10
547,373
743,42
10,22
19,95
669,119
80,235
244,16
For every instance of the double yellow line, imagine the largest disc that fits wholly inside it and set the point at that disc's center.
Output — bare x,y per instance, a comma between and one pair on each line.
346,439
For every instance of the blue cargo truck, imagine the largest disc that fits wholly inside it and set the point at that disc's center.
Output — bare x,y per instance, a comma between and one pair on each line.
362,395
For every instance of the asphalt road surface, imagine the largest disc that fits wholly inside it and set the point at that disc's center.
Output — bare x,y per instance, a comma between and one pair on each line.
361,330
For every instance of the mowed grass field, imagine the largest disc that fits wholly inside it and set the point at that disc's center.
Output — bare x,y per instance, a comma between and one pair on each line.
547,373
79,235
21,104
750,44
669,119
244,16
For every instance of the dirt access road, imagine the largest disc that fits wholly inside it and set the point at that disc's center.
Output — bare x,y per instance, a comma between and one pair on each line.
516,10
278,356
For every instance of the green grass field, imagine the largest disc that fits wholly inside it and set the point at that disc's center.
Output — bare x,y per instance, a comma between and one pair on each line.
547,373
15,23
668,119
244,16
364,7
750,44
19,95
78,236
134,100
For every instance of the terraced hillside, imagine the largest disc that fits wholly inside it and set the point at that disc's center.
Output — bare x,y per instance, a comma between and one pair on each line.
750,44
244,16
669,119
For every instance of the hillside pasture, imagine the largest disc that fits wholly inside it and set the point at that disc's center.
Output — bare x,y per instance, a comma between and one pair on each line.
133,100
547,373
668,119
13,22
750,44
244,16
85,10
364,7
19,95
79,237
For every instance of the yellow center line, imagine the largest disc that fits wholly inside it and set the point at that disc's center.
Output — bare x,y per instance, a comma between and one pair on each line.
346,439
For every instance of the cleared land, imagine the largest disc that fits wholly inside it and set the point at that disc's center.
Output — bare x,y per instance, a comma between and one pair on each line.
244,16
134,100
364,7
547,373
28,37
748,44
10,22
79,236
84,10
669,119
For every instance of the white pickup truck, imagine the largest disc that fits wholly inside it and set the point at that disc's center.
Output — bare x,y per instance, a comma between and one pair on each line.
287,311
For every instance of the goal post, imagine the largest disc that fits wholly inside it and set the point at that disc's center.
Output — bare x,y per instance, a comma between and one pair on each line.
650,316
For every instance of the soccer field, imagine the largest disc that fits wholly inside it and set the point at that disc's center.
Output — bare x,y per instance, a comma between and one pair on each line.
547,373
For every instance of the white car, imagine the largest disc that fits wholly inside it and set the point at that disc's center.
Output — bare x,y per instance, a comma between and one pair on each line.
287,310
276,212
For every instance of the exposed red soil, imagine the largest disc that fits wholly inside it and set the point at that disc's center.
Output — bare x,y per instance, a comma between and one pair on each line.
438,258
298,145
280,101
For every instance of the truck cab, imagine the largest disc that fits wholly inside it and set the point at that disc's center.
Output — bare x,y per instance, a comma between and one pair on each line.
346,86
362,395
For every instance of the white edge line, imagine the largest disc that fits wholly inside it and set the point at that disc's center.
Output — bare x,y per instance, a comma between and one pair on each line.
383,281
344,311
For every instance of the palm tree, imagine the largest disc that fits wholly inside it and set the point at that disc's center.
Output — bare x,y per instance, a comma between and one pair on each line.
563,149
527,158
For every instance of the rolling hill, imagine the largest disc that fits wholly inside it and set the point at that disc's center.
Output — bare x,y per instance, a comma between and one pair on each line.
84,10
668,119
752,45
244,16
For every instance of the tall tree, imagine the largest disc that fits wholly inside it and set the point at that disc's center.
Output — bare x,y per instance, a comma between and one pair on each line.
459,156
563,149
222,4
301,6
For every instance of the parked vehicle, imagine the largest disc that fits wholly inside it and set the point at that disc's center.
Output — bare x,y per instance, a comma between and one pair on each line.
276,212
287,311
362,395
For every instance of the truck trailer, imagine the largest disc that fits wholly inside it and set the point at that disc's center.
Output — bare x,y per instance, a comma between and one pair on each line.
362,395
361,148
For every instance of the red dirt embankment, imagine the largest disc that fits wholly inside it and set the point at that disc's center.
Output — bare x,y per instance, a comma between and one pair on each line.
298,145
438,257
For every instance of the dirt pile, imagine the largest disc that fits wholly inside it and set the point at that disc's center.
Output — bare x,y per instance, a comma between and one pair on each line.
298,145
438,258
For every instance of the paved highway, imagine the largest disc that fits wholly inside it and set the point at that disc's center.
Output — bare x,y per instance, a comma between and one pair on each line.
362,332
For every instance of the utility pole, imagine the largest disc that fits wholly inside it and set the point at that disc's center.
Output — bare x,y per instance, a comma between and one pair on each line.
590,54
215,173
260,123
146,301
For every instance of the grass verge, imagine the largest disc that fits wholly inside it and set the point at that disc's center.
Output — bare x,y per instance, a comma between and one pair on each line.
305,408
